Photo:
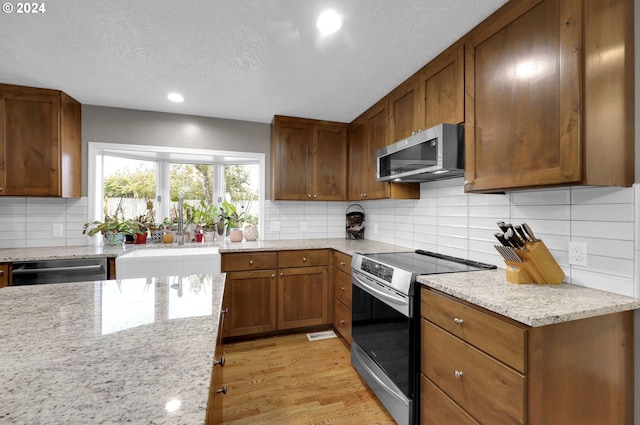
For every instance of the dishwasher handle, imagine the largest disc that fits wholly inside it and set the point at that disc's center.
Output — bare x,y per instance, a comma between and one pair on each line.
22,270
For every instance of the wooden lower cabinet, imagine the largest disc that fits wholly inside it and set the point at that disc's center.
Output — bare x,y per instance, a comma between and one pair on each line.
303,294
217,389
342,294
480,368
271,291
251,299
4,275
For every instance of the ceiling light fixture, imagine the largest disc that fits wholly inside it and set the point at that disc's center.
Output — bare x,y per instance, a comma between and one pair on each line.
175,97
329,22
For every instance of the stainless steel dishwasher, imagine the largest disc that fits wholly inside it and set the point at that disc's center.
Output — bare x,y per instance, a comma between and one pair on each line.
59,271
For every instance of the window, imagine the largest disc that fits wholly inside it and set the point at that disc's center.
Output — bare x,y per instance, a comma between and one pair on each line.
149,180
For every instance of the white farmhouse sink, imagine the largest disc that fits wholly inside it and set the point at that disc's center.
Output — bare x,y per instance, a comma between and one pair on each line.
153,262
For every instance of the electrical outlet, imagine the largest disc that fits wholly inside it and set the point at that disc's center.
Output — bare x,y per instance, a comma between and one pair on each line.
275,226
578,253
57,230
303,226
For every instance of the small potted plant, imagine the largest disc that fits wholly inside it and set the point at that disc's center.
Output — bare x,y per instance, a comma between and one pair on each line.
112,227
234,220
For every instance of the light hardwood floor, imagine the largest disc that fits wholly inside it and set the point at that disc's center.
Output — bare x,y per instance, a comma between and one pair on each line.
288,380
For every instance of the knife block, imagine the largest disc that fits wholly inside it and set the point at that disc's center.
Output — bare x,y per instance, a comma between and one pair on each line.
537,266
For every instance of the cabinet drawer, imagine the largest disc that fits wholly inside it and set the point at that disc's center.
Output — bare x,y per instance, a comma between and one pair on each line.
342,261
487,389
342,287
437,409
303,258
342,320
4,275
497,337
249,261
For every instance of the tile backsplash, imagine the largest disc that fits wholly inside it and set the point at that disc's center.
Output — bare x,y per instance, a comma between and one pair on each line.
444,219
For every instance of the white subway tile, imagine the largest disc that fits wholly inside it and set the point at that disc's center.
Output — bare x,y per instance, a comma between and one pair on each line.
541,197
603,212
602,195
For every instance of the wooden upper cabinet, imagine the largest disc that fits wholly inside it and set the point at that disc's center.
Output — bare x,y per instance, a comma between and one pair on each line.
368,133
40,143
528,122
442,89
308,159
404,110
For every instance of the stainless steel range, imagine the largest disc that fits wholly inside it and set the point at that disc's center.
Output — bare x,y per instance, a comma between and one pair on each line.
386,323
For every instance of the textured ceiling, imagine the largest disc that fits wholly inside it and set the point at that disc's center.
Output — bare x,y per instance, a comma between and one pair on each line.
238,59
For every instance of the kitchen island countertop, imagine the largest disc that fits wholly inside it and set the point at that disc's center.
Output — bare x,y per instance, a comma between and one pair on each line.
128,351
531,304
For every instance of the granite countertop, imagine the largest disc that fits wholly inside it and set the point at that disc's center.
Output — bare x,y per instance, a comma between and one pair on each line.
109,352
531,304
89,251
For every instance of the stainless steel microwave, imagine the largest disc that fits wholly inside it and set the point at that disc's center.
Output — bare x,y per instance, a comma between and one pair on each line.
433,154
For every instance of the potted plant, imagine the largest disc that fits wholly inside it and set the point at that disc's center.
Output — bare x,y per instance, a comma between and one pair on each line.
112,227
234,220
206,218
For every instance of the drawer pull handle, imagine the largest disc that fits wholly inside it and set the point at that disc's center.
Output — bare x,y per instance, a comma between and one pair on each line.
458,321
222,390
219,362
342,288
342,263
458,374
342,322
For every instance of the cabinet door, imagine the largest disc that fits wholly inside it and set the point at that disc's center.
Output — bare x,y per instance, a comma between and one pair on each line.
291,159
443,89
251,300
523,77
217,389
4,275
358,159
303,297
404,109
329,159
377,138
29,144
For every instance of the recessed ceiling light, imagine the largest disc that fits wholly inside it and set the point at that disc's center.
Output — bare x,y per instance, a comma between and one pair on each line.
175,97
329,22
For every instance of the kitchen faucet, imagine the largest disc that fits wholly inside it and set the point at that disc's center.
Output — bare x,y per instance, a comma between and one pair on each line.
180,222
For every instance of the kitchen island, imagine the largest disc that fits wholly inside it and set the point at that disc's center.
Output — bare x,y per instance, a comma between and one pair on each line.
120,351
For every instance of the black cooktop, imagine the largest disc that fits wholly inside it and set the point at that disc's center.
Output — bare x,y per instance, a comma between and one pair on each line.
425,262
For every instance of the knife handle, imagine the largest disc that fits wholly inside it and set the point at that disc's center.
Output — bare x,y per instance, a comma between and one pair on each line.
527,229
522,233
503,241
502,226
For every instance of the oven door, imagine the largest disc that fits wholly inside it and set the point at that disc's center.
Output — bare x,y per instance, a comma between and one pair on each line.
383,348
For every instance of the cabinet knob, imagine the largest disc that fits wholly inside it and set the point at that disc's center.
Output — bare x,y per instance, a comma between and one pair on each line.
468,182
281,274
1,272
251,262
458,374
218,362
222,390
309,195
458,321
342,263
342,288
366,194
315,196
342,322
1,189
273,275
224,310
304,259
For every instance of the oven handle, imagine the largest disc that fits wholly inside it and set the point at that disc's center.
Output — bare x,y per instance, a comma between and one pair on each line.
363,285
390,390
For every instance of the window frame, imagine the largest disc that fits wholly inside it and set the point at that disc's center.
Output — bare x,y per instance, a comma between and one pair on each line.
164,155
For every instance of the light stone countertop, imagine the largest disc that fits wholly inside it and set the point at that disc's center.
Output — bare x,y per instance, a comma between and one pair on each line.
531,304
89,251
108,352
